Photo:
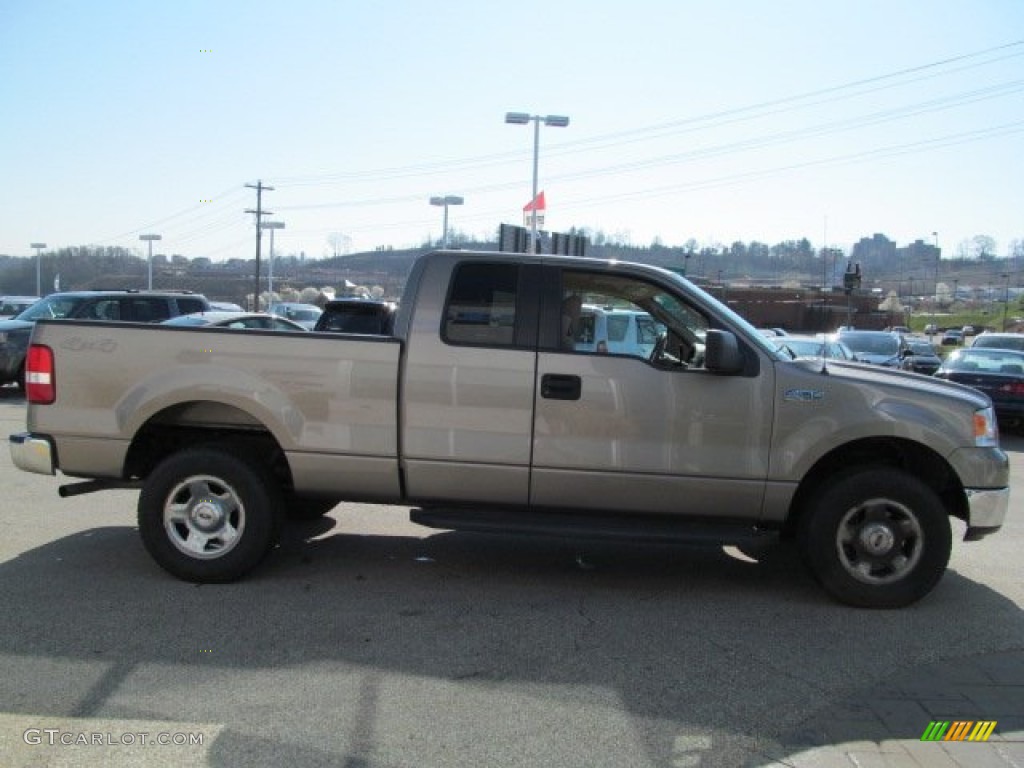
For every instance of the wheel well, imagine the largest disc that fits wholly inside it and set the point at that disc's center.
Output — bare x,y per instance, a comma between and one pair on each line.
916,459
189,425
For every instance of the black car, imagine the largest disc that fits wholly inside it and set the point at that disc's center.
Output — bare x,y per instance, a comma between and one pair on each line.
123,306
920,357
999,373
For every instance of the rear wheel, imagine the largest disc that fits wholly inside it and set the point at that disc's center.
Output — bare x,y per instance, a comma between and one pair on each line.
208,516
876,538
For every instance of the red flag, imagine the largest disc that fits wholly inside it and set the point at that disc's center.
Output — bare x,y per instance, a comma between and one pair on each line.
537,203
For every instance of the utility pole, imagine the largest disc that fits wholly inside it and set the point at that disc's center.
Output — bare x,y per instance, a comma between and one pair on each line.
259,186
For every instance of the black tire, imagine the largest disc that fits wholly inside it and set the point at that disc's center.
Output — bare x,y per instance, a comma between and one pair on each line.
19,380
307,508
876,537
208,516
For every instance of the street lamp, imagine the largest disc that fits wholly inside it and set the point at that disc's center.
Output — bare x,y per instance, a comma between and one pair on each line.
445,202
39,267
522,118
150,239
271,225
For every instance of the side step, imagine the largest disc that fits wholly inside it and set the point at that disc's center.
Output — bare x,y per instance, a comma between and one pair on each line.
573,524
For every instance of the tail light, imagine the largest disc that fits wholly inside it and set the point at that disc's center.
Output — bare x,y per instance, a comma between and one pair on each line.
1016,388
40,378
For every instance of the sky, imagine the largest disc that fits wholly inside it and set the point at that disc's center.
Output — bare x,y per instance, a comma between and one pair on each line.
711,121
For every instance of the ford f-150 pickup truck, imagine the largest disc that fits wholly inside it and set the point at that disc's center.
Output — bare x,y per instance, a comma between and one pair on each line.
480,411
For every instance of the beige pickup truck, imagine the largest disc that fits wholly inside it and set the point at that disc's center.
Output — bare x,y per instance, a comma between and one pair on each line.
481,411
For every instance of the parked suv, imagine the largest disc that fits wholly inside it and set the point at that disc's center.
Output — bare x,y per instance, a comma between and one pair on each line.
616,331
124,306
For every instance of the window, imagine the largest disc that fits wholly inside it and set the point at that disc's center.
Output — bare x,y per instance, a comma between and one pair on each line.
102,309
482,305
188,306
626,316
149,310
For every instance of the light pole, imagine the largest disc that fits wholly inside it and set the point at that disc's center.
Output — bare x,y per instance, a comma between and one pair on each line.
445,202
522,118
1006,297
271,225
149,239
938,257
39,267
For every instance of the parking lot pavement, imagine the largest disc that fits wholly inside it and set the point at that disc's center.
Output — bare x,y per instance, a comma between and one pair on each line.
368,641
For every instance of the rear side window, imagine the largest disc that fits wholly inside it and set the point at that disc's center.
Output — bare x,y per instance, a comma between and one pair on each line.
149,310
102,309
188,306
482,305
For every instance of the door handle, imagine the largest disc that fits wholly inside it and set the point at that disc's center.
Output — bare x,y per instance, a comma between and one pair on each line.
560,386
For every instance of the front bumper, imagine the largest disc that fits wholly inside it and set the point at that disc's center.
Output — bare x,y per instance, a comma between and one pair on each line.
986,511
32,453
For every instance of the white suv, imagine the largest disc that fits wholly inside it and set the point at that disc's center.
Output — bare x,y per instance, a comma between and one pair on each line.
616,331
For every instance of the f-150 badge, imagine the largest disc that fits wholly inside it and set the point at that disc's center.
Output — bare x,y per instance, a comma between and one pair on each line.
803,395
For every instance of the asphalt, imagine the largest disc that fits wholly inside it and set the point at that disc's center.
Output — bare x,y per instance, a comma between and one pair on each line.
884,725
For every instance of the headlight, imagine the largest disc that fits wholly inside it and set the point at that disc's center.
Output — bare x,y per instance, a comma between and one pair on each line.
986,433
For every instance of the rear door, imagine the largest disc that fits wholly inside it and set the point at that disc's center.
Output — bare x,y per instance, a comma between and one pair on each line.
468,381
655,433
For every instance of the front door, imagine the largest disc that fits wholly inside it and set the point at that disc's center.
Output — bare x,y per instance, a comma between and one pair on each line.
655,433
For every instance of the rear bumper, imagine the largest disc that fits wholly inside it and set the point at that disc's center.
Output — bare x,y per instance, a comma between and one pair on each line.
32,453
986,511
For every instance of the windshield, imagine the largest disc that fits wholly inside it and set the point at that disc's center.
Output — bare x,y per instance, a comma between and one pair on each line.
872,343
921,348
752,334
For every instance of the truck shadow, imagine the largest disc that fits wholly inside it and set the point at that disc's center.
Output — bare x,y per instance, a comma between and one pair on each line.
686,639
11,394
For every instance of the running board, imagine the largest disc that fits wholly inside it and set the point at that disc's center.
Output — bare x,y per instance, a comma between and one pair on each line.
571,524
92,486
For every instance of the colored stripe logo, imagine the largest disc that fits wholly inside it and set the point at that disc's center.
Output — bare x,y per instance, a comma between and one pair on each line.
958,730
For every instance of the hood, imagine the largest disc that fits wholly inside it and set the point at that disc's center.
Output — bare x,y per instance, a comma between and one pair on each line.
914,386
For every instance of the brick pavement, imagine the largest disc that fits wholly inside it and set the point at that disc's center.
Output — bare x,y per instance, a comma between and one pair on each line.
882,726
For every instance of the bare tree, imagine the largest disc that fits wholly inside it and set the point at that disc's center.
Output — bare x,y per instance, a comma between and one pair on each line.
341,244
983,247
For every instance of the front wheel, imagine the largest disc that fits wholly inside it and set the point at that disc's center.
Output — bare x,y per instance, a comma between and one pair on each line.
876,538
208,516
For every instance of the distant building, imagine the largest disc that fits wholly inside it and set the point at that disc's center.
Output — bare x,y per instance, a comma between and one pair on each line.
875,254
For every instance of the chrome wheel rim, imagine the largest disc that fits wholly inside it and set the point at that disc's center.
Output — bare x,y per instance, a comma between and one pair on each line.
204,517
879,541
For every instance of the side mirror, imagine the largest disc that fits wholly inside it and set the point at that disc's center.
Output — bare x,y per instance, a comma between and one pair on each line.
722,352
